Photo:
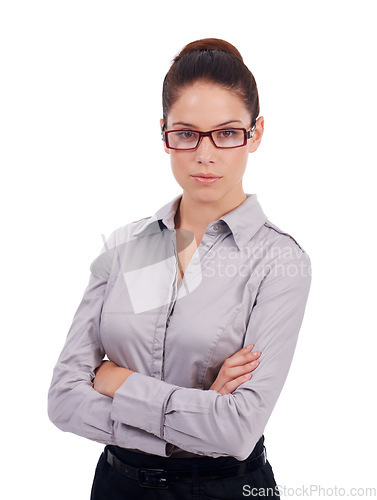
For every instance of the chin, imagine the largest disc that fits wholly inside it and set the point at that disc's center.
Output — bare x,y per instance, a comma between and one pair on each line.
204,193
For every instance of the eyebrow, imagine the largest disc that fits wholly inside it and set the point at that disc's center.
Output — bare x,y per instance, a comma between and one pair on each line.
219,125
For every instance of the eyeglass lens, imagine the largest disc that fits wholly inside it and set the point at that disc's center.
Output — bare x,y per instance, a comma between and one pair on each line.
186,139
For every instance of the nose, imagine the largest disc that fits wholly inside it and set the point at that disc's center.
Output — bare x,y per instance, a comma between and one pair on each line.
205,151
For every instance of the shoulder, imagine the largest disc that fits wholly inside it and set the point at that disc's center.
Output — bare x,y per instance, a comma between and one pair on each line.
114,245
123,234
273,228
285,257
278,250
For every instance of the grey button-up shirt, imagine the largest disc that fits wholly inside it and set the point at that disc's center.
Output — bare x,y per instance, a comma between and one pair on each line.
247,283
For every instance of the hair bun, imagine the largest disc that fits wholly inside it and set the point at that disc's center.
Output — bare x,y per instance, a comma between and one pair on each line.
210,60
209,44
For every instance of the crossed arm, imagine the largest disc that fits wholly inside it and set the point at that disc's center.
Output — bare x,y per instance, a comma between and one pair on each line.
235,371
134,410
109,377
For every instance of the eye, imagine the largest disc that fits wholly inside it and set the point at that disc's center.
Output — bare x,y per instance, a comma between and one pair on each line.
227,133
186,134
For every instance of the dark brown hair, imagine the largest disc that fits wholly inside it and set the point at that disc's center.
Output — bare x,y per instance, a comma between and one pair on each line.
211,60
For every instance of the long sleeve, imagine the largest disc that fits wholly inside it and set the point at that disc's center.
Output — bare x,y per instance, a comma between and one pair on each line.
205,422
73,403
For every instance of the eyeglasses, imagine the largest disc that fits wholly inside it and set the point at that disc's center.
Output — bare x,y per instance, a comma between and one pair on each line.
222,138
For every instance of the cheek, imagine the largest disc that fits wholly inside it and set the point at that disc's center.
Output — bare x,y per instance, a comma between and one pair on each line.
179,163
237,162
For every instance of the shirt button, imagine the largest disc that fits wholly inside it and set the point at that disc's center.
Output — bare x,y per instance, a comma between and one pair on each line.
195,261
215,227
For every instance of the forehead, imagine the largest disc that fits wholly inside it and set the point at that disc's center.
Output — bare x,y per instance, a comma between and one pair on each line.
207,104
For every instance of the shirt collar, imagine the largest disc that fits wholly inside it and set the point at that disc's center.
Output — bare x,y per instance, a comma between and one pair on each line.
243,221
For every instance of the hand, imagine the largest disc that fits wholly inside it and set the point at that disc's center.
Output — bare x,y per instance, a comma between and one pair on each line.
109,377
235,370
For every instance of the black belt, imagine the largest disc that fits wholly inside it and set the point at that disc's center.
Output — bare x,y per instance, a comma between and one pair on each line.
161,478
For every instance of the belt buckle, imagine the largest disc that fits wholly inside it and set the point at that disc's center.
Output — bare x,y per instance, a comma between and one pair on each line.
153,478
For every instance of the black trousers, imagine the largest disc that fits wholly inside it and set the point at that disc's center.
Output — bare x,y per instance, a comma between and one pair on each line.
109,484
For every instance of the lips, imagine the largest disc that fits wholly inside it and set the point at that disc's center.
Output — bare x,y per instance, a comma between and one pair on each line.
205,179
208,176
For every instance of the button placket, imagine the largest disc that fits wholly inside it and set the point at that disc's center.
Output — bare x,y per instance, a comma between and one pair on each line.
172,302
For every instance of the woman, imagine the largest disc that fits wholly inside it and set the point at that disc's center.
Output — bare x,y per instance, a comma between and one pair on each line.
179,300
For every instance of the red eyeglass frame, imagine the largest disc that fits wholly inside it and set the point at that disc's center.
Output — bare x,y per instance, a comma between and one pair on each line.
247,135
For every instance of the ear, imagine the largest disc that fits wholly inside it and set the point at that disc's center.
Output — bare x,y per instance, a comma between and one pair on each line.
257,136
161,125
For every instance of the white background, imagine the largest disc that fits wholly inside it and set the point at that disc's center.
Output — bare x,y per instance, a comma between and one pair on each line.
81,155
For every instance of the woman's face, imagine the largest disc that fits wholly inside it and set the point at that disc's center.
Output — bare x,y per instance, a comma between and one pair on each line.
206,106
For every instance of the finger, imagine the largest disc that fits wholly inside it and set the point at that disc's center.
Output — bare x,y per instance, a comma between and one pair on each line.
242,352
230,374
242,357
238,371
231,386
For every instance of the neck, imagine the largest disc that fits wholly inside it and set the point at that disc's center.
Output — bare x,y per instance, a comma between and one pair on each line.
195,214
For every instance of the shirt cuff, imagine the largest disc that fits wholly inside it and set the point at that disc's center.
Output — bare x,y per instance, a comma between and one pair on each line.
137,439
141,402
